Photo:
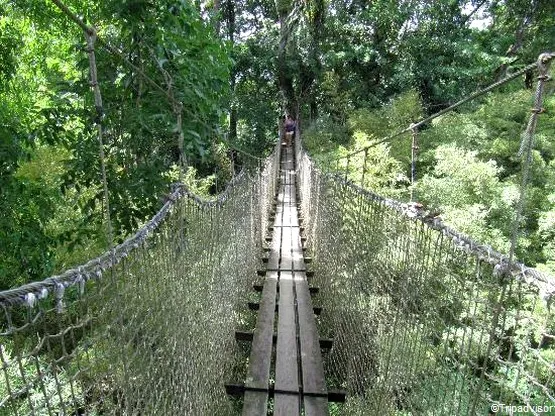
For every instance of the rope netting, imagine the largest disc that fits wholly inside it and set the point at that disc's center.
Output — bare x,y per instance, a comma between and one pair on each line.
147,328
424,320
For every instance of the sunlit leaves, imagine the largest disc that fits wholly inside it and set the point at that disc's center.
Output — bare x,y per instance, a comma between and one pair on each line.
49,155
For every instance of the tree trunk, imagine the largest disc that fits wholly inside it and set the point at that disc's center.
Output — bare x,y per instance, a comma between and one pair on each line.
284,75
233,119
520,34
216,17
316,22
313,109
229,13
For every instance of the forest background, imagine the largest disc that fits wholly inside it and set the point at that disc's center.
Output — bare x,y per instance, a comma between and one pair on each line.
353,70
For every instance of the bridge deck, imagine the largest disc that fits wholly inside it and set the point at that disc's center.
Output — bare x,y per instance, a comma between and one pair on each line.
299,373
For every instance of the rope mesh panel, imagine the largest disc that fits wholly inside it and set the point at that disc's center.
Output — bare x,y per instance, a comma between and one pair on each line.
147,328
424,321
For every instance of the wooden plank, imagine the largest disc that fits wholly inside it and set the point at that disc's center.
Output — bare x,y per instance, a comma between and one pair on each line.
285,174
296,237
296,324
289,219
280,222
315,406
261,352
286,261
297,254
289,196
314,290
254,306
287,372
289,173
281,197
311,357
286,353
255,403
286,404
275,250
284,220
278,215
325,343
292,195
293,177
238,390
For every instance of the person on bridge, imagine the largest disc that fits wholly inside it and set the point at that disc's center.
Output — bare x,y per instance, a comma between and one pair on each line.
290,126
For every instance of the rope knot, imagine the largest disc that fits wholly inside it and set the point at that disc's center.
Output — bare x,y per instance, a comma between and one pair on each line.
90,34
30,299
81,282
178,107
544,60
59,295
413,209
43,293
501,270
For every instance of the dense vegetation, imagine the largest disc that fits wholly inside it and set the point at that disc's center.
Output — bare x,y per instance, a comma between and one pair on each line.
353,70
50,170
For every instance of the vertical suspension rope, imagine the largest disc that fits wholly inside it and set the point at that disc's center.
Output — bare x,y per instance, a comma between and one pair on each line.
414,156
502,273
178,109
232,163
364,168
90,35
526,145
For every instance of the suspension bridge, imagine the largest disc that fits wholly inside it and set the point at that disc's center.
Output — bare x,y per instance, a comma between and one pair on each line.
295,291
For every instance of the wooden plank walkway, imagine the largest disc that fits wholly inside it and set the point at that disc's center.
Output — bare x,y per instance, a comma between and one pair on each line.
299,375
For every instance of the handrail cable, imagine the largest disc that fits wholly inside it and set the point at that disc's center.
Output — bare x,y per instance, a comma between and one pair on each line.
471,97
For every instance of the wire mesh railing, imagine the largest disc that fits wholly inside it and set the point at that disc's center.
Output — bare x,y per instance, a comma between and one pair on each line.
147,328
425,321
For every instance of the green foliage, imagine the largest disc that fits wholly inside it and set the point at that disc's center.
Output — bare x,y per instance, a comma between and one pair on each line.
336,99
396,115
468,195
49,155
441,58
9,44
360,71
254,96
52,394
324,136
471,172
546,231
381,168
460,179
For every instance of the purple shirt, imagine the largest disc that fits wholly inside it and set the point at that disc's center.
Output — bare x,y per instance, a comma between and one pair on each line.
289,125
